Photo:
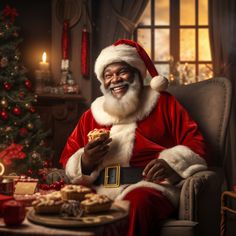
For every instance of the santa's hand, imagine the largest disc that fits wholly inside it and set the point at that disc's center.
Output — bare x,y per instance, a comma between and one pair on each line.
158,170
94,153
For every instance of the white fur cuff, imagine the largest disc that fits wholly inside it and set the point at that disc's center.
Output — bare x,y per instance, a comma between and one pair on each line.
183,160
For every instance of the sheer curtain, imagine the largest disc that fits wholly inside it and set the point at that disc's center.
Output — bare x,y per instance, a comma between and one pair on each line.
222,22
114,20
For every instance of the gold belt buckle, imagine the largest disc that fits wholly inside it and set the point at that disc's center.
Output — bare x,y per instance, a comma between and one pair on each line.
108,175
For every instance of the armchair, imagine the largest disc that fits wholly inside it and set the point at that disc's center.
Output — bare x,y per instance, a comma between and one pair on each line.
199,212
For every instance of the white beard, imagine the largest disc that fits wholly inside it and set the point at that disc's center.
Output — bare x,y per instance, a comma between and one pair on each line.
125,105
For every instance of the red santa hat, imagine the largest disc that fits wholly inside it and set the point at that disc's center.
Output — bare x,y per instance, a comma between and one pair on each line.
132,53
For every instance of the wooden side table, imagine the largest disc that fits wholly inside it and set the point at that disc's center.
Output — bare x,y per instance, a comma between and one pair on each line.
224,208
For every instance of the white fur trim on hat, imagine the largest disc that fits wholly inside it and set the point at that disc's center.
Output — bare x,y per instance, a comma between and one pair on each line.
159,83
119,53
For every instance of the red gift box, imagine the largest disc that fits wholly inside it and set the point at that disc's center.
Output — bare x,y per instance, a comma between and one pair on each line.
13,212
4,198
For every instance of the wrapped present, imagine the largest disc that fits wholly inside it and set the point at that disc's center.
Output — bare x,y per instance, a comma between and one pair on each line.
13,212
26,185
3,198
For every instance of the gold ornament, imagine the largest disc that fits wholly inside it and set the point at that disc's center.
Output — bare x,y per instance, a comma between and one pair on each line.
4,103
27,142
27,105
8,129
30,126
4,62
42,143
35,155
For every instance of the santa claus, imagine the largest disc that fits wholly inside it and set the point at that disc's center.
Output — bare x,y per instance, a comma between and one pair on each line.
153,145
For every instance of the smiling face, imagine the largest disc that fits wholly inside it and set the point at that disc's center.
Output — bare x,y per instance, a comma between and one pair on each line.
117,78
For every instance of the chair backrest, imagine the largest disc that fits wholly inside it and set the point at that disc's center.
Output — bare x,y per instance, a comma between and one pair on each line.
208,103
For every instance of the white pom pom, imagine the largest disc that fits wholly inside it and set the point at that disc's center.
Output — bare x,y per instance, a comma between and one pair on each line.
159,83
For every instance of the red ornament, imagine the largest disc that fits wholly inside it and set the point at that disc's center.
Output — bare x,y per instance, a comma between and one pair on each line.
13,212
32,109
85,53
4,115
46,164
16,111
23,132
10,12
21,95
7,86
28,84
29,172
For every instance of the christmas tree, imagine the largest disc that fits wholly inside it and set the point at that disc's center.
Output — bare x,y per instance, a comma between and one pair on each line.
22,146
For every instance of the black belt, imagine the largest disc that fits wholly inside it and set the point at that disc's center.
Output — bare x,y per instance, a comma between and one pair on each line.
113,176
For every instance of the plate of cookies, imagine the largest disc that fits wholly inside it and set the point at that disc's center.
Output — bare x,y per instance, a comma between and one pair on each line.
75,206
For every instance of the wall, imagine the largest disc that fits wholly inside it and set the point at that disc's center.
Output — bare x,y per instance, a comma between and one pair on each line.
75,51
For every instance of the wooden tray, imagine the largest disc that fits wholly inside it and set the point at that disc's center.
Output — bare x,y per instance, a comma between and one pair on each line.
115,213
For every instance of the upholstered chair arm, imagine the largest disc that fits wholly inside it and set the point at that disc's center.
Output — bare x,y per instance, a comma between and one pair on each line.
200,197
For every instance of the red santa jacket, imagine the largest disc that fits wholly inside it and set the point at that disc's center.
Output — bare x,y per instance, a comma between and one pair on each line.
161,128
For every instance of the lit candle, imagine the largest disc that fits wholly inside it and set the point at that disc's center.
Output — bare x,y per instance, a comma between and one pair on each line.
44,65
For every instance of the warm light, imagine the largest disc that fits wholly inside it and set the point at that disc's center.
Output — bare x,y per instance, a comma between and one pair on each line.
44,57
2,169
44,65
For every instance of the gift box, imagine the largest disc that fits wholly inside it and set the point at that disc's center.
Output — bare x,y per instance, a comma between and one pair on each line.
26,185
3,198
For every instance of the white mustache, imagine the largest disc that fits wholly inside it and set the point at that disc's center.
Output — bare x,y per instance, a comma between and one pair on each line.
124,83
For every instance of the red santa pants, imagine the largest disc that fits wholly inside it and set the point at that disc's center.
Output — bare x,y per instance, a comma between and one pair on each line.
147,208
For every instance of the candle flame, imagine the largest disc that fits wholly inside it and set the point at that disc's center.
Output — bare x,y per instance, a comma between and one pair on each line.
44,57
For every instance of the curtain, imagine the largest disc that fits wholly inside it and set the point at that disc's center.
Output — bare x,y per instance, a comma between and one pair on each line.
114,20
222,31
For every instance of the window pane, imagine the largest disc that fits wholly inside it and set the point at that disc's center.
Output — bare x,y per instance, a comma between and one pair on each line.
144,38
162,45
187,12
163,69
162,12
205,72
146,16
203,12
187,73
204,45
187,44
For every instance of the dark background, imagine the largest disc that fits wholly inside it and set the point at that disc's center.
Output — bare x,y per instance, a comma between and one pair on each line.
34,21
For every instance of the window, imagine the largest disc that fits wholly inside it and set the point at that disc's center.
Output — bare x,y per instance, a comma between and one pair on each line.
175,35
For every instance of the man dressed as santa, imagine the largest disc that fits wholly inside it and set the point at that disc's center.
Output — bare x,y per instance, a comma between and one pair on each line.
153,143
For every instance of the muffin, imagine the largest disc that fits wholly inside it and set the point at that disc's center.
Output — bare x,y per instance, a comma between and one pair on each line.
96,203
48,204
74,192
98,133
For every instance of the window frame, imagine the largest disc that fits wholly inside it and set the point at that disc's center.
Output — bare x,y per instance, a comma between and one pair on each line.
175,27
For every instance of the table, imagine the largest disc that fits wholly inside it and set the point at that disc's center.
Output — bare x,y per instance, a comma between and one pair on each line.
28,228
226,208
